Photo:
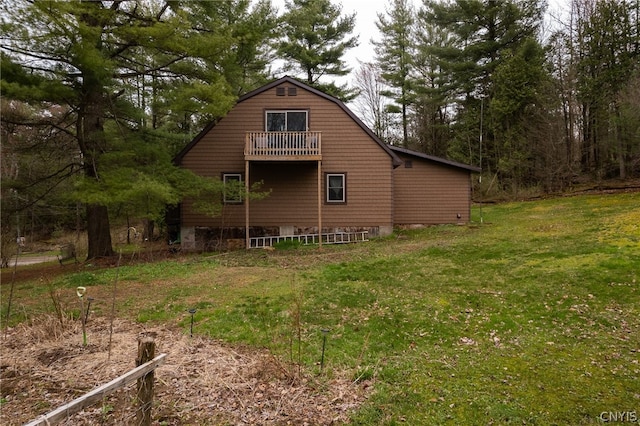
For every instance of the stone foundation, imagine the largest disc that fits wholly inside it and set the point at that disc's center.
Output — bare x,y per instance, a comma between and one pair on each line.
233,238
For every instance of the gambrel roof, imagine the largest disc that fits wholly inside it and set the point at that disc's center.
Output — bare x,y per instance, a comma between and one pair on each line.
289,80
389,149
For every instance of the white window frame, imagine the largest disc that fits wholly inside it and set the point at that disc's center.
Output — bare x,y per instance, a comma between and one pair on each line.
226,177
285,112
344,188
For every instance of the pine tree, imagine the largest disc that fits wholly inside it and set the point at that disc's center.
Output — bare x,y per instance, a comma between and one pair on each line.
484,34
433,87
315,38
394,54
112,63
517,83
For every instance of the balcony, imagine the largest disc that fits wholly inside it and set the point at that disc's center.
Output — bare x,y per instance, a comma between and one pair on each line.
283,146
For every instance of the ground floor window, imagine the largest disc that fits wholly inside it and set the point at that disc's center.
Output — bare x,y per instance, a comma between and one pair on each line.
233,188
336,187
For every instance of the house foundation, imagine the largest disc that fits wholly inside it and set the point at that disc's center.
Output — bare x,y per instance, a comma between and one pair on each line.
234,238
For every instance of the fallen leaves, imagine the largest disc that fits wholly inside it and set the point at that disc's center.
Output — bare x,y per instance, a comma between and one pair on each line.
201,382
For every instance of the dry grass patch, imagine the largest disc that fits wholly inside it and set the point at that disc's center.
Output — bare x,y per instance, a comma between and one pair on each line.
44,365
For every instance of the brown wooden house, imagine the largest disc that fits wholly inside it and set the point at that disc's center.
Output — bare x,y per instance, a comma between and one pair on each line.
331,179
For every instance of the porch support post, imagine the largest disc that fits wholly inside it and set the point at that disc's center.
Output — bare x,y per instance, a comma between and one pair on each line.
246,205
319,203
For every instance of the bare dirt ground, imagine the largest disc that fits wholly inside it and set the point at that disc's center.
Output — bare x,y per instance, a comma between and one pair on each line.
202,382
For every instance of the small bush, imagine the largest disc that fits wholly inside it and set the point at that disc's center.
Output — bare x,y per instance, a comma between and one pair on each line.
288,245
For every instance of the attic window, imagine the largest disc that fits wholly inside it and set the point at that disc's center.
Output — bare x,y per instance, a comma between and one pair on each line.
286,121
280,91
408,164
292,91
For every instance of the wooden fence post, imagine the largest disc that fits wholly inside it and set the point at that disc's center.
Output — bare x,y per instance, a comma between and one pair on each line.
63,413
146,352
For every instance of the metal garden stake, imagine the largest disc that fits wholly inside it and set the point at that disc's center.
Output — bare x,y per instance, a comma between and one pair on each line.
86,316
80,291
324,343
192,311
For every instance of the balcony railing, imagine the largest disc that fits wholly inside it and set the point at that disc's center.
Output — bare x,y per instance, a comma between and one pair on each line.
283,146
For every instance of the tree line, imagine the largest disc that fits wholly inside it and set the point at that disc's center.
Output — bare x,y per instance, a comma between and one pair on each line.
99,96
538,100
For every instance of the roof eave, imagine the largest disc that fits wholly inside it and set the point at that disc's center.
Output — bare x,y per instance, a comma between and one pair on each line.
433,158
178,158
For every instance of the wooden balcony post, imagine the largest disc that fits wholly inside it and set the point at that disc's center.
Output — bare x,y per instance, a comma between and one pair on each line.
320,204
247,239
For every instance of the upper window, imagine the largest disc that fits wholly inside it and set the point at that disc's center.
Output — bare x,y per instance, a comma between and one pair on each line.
287,121
336,188
233,188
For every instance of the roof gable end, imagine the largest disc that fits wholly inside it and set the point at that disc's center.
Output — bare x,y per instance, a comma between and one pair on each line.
338,102
289,80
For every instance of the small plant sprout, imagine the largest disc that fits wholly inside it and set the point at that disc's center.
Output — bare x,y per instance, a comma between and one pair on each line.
81,291
192,311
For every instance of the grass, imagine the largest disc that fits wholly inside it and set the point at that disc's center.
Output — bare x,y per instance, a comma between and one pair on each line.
531,317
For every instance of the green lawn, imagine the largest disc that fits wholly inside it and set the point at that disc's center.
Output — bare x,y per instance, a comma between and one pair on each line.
530,317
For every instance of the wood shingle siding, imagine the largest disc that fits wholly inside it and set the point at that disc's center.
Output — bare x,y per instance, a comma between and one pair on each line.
431,191
346,148
431,194
380,192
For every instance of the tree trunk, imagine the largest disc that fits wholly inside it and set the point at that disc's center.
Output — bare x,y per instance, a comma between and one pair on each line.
149,226
91,138
90,132
98,232
620,145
